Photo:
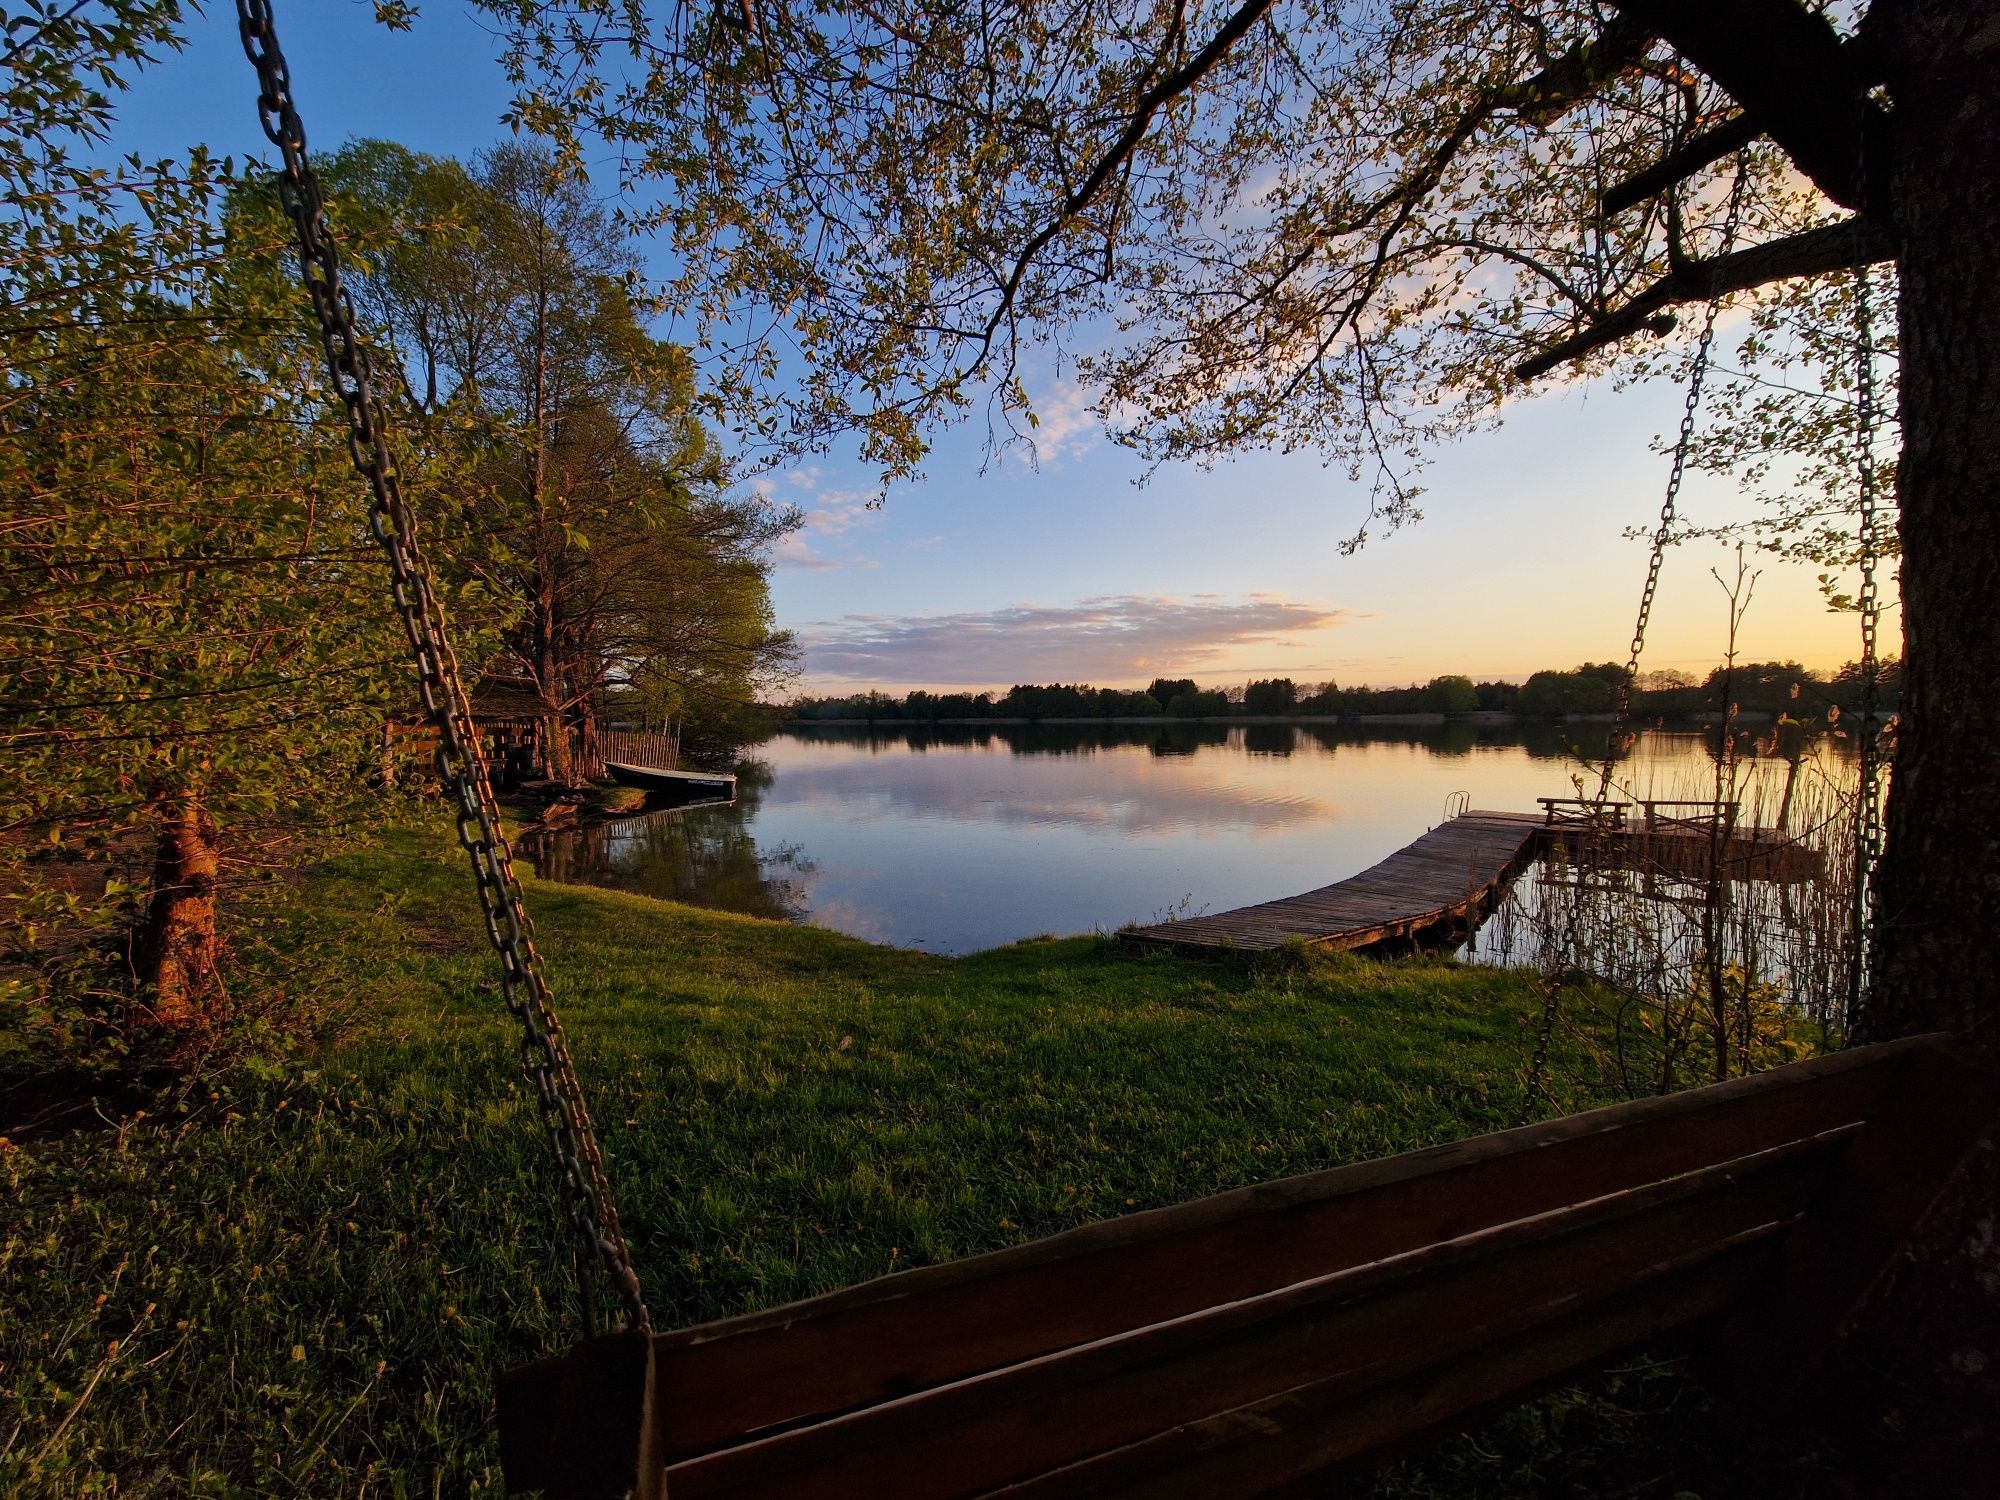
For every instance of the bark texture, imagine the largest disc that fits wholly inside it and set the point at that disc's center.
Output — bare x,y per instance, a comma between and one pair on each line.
1932,1342
178,953
1938,967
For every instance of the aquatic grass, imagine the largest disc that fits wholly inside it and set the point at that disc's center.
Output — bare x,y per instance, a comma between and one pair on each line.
302,1279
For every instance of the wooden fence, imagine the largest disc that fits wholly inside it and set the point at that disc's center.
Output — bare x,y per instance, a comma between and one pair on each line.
510,745
638,747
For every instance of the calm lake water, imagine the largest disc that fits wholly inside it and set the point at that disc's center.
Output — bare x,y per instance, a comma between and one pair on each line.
956,839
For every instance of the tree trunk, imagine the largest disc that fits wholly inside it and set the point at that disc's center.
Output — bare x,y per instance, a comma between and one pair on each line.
553,736
589,754
1937,966
177,954
1934,1337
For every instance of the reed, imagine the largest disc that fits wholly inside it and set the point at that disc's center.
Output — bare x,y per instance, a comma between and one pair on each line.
1670,976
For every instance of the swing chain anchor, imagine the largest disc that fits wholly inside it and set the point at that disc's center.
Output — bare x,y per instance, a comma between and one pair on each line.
545,1054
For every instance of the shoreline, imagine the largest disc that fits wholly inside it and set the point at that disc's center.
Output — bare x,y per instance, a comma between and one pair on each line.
1482,720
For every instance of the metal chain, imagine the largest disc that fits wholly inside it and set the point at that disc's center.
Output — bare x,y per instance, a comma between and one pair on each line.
1663,533
545,1052
1868,812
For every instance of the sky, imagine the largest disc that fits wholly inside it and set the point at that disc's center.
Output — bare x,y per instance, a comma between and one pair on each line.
1063,566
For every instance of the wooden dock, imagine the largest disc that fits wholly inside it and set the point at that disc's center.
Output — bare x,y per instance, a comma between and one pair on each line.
1452,874
1456,873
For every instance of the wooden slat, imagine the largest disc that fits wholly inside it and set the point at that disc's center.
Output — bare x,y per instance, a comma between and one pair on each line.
1307,1434
918,1329
1358,1327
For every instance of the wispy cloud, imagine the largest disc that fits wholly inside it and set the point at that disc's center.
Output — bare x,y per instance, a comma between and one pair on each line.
1107,639
1066,425
795,552
828,514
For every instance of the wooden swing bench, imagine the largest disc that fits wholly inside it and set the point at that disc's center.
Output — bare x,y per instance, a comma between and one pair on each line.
1262,1338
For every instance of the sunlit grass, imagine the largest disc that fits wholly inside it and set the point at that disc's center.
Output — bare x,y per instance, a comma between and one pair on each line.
304,1281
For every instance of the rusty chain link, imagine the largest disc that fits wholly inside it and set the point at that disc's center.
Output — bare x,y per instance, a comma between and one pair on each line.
545,1055
1669,507
1868,810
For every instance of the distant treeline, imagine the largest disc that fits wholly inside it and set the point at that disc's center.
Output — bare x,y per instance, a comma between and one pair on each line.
1773,687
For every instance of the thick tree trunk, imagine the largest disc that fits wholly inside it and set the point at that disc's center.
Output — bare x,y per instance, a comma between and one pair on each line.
1938,966
589,761
177,954
553,738
1932,1342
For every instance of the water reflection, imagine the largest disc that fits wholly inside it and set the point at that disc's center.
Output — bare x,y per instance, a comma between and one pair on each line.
1540,741
958,837
703,853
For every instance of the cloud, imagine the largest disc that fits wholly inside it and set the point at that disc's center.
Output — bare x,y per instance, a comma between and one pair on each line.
828,514
833,511
795,553
1065,424
1101,639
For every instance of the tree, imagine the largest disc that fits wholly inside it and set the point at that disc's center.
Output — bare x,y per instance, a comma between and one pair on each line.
1766,686
1357,230
194,656
1451,695
631,580
1199,705
1271,695
1164,690
1550,694
1327,698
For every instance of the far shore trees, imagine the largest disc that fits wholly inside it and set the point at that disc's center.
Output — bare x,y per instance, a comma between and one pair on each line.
1271,695
1585,690
1451,694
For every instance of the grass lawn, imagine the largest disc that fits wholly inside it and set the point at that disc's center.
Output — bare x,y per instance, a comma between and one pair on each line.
303,1281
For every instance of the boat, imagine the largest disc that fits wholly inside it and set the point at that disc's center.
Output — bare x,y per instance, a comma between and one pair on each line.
683,783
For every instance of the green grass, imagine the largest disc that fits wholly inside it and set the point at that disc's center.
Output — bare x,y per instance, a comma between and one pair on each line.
303,1280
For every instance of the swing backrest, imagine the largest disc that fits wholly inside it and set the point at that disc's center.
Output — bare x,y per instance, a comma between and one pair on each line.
1246,1340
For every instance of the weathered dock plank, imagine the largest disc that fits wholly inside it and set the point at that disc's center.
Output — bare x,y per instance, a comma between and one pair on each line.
1452,873
1457,871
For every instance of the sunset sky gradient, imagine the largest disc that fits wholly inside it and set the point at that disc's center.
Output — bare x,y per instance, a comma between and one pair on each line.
1061,566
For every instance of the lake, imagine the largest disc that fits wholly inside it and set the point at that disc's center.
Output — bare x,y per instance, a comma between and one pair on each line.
952,839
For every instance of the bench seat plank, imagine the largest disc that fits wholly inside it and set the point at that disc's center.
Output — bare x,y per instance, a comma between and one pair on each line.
1354,1328
916,1329
1241,1343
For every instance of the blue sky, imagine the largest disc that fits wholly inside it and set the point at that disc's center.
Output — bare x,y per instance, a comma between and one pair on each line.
1067,569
